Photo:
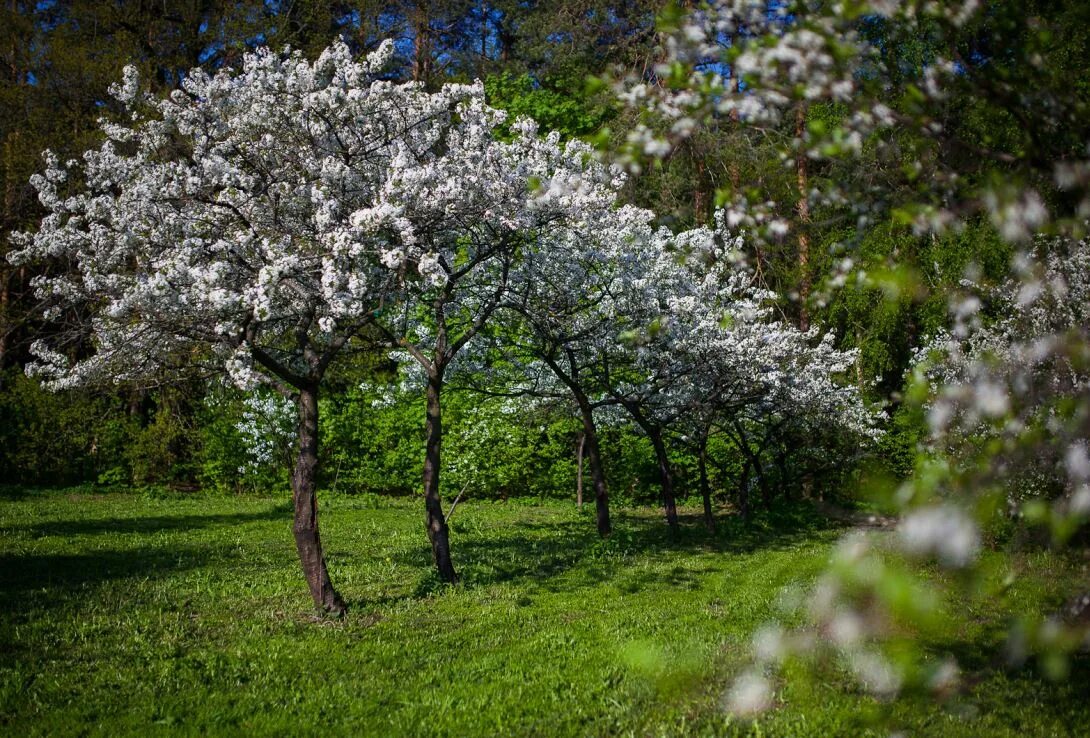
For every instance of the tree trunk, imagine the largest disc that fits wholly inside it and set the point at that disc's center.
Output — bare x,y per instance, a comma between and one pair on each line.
743,491
785,477
5,302
421,45
753,460
803,208
762,481
305,526
705,487
438,533
597,471
700,188
666,477
579,472
588,443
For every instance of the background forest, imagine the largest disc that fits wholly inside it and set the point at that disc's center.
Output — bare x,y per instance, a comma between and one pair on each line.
536,59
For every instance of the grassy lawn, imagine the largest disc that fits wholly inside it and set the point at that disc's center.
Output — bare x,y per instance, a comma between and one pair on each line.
121,614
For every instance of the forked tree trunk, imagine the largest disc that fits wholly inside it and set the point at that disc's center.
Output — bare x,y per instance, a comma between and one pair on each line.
705,486
597,471
305,526
666,477
438,533
753,461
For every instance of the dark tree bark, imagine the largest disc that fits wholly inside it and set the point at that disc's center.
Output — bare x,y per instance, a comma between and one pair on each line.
305,526
753,460
743,491
666,476
705,487
762,481
421,44
597,471
434,362
591,448
438,532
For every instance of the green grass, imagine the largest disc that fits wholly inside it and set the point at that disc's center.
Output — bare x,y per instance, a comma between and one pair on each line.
122,614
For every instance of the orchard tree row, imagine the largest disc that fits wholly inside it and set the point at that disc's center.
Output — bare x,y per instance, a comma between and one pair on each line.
265,223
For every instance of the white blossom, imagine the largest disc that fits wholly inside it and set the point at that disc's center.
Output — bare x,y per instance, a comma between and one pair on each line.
943,531
750,695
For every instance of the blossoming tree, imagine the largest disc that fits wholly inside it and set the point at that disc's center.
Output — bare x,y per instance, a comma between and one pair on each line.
716,357
560,317
468,218
672,328
241,224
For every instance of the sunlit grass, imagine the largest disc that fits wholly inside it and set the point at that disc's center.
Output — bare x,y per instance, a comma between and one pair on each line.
123,614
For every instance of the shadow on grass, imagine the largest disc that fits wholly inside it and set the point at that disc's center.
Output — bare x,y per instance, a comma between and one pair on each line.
1012,695
543,551
152,524
26,578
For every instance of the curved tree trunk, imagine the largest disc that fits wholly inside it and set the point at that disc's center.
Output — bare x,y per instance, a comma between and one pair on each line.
705,486
597,471
666,477
305,526
438,533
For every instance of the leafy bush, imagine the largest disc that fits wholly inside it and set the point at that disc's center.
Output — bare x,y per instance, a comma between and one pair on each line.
66,438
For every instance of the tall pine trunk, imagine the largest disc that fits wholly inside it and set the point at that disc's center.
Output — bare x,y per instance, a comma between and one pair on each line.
803,209
438,533
421,45
304,482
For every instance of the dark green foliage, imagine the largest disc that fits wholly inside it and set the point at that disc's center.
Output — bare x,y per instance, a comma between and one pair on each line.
494,448
900,446
68,438
370,446
572,113
223,462
904,300
162,450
